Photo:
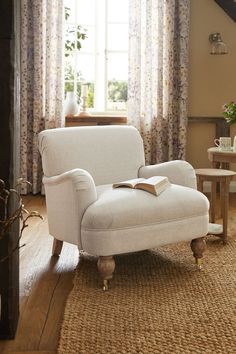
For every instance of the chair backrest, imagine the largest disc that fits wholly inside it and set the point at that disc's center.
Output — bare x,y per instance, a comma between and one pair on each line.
109,153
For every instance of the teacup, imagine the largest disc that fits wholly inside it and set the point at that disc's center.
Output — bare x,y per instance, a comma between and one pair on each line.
224,143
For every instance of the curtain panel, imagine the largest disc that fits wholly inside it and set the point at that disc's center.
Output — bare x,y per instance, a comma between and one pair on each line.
41,71
158,76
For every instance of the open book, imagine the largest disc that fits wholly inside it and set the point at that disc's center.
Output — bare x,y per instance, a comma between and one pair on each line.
154,185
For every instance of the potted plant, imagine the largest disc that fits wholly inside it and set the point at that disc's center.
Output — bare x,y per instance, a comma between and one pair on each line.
229,112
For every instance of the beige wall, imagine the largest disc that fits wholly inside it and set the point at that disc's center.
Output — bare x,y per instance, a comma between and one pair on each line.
212,78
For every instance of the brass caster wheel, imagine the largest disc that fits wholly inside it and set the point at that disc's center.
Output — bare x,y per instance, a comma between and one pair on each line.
105,285
199,263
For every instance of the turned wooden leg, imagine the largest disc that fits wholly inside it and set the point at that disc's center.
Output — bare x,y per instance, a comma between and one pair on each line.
56,247
214,164
106,267
198,246
200,184
224,193
213,202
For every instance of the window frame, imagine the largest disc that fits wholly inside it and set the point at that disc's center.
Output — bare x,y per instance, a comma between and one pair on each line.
100,55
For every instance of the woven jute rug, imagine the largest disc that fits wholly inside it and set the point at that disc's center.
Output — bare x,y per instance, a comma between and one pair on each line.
158,303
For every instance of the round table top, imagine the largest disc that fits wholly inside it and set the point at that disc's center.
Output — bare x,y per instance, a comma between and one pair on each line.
217,172
214,150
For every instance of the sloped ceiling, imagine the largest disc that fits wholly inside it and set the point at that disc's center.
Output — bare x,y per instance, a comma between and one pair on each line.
229,6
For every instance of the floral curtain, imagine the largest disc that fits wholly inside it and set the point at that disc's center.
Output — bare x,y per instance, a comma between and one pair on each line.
41,67
158,59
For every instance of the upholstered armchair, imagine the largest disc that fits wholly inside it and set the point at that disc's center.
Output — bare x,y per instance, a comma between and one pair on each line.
80,165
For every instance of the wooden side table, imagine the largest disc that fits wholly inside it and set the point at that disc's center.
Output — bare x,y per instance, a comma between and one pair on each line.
216,157
78,121
215,175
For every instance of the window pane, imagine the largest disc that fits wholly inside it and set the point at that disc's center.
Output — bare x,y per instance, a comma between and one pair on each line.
117,37
69,69
118,10
117,81
117,66
69,40
85,67
117,95
86,12
88,44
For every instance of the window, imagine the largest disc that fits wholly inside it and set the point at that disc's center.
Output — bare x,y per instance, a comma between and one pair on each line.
96,52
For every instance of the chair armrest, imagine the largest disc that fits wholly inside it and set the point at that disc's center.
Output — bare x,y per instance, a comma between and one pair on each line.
68,196
178,171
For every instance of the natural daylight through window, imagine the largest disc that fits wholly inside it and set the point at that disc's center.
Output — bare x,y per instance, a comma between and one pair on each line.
96,52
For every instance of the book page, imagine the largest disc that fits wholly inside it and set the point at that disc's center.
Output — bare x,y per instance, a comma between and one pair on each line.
129,183
155,180
146,187
154,185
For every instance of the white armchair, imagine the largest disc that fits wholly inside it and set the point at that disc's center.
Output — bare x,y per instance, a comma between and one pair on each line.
81,164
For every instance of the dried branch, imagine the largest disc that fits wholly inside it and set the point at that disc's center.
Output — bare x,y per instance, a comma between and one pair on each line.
19,213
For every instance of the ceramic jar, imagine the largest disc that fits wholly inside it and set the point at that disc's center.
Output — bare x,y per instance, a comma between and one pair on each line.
71,105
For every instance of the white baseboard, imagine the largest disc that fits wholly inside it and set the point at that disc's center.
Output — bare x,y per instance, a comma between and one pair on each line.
207,187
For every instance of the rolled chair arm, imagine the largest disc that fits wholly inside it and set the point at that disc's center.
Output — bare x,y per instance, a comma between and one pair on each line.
178,171
68,196
81,179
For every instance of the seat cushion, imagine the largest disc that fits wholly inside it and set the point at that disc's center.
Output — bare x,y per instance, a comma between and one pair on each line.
126,220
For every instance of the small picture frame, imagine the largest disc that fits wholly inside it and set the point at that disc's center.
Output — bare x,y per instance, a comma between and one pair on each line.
229,6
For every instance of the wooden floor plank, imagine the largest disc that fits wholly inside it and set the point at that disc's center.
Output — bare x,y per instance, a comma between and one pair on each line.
45,282
33,319
50,335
